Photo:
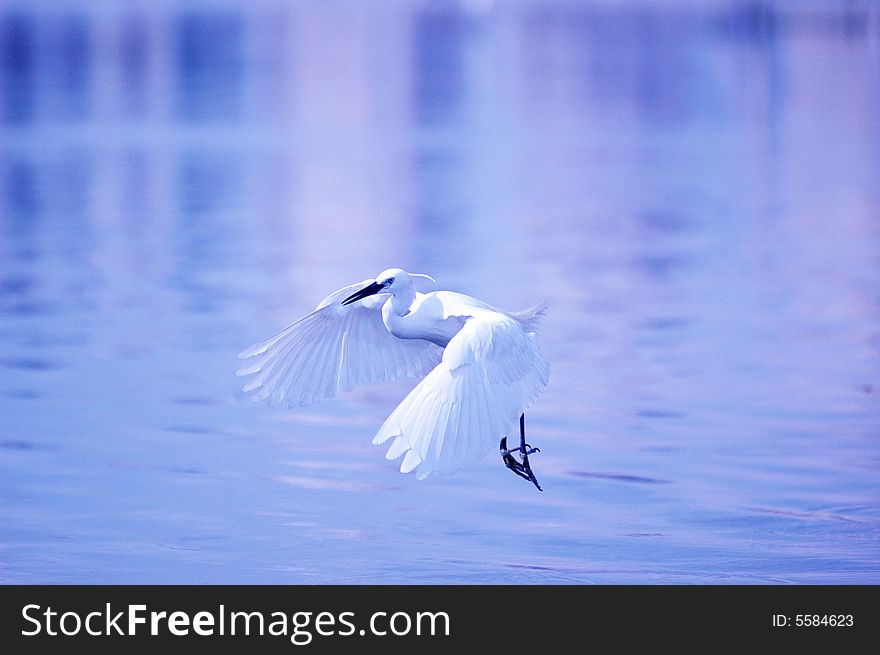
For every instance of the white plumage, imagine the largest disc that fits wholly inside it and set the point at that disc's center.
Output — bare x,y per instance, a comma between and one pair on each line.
483,366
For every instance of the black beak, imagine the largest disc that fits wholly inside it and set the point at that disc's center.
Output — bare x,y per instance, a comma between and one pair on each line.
368,290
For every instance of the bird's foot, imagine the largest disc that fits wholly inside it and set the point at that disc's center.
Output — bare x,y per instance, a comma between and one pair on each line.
505,452
523,469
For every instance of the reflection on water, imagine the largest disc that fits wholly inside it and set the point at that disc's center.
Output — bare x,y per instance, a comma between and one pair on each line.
694,190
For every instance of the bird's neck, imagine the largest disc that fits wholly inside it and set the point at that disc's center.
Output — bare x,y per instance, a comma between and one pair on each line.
402,300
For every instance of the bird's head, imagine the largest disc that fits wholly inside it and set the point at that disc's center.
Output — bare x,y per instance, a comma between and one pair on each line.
390,280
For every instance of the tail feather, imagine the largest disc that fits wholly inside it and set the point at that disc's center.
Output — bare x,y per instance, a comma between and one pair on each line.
529,318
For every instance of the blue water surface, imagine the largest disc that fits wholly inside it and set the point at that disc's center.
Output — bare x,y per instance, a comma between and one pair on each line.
694,187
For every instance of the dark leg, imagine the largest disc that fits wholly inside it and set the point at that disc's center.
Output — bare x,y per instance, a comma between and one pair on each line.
525,450
524,469
509,461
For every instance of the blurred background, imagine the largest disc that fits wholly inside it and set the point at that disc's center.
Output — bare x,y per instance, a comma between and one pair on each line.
692,185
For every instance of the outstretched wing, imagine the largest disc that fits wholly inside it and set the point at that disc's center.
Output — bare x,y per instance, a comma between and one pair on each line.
491,371
335,347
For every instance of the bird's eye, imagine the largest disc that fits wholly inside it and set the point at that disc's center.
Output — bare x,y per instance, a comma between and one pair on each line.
389,281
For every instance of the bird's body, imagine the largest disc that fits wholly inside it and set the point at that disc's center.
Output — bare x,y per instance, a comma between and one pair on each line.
482,367
424,318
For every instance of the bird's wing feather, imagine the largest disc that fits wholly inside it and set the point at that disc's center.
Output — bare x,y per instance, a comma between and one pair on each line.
491,371
335,347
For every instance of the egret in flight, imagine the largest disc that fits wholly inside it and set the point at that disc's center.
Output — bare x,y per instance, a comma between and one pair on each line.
482,368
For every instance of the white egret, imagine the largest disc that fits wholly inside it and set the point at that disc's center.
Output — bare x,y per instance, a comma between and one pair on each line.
482,368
